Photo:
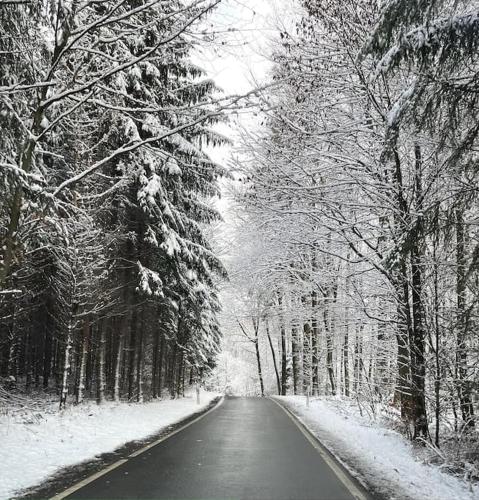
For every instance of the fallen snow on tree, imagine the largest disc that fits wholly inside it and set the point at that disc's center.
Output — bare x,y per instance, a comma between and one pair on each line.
36,445
381,457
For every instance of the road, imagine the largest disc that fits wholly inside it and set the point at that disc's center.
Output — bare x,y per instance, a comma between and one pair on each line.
247,448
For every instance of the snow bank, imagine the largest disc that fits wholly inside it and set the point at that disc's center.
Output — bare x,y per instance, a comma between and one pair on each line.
30,452
382,457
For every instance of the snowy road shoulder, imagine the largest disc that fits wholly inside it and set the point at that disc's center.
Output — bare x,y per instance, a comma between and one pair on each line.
379,456
31,452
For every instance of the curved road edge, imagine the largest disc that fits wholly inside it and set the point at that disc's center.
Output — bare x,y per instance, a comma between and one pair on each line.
71,478
351,479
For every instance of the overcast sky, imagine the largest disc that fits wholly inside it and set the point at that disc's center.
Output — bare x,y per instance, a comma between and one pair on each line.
238,59
239,56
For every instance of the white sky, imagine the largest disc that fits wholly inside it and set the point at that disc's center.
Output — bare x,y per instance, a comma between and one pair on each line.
239,55
238,59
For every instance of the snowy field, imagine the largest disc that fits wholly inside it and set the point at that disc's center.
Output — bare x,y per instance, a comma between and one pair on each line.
382,457
35,447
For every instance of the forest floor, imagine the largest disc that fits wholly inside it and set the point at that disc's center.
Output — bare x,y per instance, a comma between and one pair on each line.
36,444
380,457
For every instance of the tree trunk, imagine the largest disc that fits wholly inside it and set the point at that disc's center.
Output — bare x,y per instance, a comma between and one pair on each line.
83,360
346,361
258,358
295,356
139,361
132,353
284,358
155,363
101,365
171,370
403,392
437,377
358,350
463,385
306,358
273,355
47,352
329,350
417,342
119,359
161,364
66,365
314,344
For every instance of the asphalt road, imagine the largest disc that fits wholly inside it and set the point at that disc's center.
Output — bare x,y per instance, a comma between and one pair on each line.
248,448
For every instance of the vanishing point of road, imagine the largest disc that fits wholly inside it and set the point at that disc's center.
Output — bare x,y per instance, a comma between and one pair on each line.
247,448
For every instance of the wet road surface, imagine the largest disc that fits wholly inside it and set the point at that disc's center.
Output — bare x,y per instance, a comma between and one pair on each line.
248,448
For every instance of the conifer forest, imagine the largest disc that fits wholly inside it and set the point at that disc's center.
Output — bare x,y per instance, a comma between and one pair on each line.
109,285
311,237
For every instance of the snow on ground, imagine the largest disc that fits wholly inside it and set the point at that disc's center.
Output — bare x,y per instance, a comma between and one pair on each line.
382,457
30,452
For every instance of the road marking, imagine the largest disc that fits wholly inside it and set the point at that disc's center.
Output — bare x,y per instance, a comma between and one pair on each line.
325,454
116,464
158,441
89,479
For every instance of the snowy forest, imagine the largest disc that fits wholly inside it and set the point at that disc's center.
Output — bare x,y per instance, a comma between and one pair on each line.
358,267
106,272
352,268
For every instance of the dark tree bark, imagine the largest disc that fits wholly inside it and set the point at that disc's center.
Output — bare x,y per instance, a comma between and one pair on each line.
154,364
314,344
346,361
85,346
417,341
101,383
258,357
132,353
273,355
295,356
306,358
284,358
463,384
329,350
119,357
139,359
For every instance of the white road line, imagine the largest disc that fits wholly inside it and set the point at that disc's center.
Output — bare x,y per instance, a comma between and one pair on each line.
158,441
342,476
113,466
88,480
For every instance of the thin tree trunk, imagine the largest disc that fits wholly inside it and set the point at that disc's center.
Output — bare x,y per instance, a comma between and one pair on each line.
295,356
329,350
139,361
306,358
314,344
437,378
403,392
83,360
119,360
154,363
284,359
171,370
417,343
463,386
101,365
47,353
357,384
273,355
258,358
160,365
132,353
346,361
66,365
